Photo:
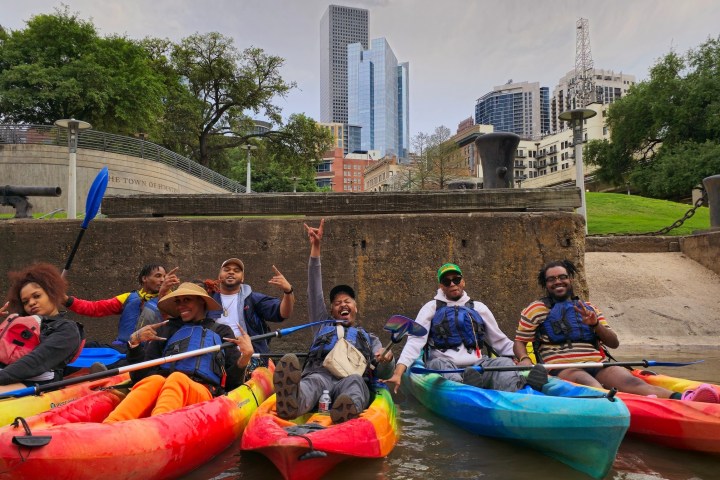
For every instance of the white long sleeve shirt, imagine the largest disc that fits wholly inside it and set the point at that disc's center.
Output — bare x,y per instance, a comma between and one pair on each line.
461,358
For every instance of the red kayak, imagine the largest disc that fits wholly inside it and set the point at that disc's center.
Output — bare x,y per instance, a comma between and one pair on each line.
674,423
70,442
310,446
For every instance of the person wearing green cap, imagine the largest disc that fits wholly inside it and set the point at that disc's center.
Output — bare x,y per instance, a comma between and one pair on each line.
458,327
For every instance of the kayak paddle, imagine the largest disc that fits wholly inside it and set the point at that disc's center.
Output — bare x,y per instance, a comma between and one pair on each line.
27,391
92,205
108,356
558,366
399,326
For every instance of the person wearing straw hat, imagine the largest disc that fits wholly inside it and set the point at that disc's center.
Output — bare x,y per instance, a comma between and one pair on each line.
170,386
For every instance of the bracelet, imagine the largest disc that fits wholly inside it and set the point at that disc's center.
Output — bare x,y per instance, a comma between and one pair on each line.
69,302
289,292
523,358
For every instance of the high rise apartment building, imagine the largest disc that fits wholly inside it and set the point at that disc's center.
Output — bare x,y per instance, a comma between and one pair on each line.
522,108
609,86
339,27
378,98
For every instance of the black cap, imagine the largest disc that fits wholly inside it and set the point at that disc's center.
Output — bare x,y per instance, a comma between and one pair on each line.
341,289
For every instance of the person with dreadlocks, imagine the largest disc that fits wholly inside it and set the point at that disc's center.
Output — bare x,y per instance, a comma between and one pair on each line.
566,329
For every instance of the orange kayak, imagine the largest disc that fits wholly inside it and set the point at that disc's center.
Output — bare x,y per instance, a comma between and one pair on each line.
11,408
74,445
677,424
310,446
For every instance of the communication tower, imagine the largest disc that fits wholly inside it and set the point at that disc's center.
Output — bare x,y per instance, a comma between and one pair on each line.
581,91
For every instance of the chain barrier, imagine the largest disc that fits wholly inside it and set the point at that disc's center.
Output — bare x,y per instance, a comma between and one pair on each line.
699,203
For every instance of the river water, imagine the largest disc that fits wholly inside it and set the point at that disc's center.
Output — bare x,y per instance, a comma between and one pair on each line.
431,448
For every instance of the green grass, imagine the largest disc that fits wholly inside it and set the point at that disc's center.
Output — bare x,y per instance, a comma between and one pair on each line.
619,213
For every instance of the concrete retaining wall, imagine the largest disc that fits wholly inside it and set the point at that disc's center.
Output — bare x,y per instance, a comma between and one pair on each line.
390,259
704,248
47,165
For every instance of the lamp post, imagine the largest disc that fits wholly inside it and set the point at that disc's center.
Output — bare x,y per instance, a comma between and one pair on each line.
74,127
247,183
294,179
576,117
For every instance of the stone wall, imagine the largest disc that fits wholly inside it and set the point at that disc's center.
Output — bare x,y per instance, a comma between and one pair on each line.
391,260
47,165
704,248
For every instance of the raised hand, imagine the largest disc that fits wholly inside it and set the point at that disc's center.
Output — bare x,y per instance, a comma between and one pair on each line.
279,281
4,309
245,346
170,282
315,236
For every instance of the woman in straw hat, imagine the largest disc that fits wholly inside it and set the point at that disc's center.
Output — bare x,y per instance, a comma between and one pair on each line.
171,386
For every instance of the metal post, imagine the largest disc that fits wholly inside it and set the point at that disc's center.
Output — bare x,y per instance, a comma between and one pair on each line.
247,181
73,126
576,118
712,187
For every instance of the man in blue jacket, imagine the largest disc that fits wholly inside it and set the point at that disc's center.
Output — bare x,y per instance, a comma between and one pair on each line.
243,308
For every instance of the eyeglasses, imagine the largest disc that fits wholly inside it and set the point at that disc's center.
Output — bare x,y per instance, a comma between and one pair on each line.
454,281
559,277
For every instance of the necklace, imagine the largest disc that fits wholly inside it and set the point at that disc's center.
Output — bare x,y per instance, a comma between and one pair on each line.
227,307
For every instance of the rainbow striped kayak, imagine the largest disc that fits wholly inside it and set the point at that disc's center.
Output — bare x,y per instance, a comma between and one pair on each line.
673,423
11,408
162,446
322,445
584,433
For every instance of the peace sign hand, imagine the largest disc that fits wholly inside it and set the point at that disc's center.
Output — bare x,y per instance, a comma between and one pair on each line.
589,317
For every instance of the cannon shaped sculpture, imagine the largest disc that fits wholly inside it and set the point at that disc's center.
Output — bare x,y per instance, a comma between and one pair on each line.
497,155
16,196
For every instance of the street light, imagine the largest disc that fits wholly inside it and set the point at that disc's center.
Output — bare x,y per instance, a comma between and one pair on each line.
74,127
576,117
248,148
294,179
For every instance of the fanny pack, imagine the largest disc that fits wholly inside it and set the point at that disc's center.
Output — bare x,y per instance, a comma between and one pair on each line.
344,359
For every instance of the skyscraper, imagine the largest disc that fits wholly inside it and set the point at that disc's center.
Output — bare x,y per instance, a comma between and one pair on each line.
339,27
377,98
522,108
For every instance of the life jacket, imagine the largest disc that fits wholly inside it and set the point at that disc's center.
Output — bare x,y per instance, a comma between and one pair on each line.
327,337
564,325
132,308
455,326
208,368
18,337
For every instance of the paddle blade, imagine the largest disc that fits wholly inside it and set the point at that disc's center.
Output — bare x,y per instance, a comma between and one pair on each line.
654,363
104,355
400,324
95,196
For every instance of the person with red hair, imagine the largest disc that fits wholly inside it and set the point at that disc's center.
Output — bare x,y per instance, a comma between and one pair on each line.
38,291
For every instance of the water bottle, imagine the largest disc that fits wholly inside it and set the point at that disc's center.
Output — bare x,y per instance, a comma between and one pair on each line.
324,403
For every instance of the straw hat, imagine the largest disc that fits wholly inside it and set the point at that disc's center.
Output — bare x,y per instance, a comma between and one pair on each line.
167,304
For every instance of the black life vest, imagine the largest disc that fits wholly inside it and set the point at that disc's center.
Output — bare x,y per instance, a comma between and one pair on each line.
208,368
453,326
564,325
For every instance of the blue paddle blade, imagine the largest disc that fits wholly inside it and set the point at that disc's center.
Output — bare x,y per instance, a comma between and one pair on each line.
95,196
655,363
104,355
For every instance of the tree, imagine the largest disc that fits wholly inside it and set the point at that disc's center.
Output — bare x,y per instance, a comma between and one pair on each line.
665,131
440,161
59,67
284,161
230,87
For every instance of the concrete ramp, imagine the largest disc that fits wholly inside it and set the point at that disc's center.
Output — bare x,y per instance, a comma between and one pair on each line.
656,299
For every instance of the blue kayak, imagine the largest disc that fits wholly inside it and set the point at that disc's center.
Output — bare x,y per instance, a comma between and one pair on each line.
574,424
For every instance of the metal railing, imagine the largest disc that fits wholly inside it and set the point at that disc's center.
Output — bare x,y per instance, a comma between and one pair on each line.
109,142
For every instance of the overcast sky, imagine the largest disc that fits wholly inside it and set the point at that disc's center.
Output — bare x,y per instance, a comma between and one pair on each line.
458,49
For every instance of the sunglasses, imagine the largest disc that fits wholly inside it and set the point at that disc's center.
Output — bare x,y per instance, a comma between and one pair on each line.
559,277
454,281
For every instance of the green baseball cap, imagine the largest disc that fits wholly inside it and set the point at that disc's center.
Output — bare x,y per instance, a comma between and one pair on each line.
448,267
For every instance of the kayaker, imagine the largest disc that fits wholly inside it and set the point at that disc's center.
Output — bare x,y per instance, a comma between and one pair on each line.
131,306
169,387
458,328
38,290
566,329
242,308
299,389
